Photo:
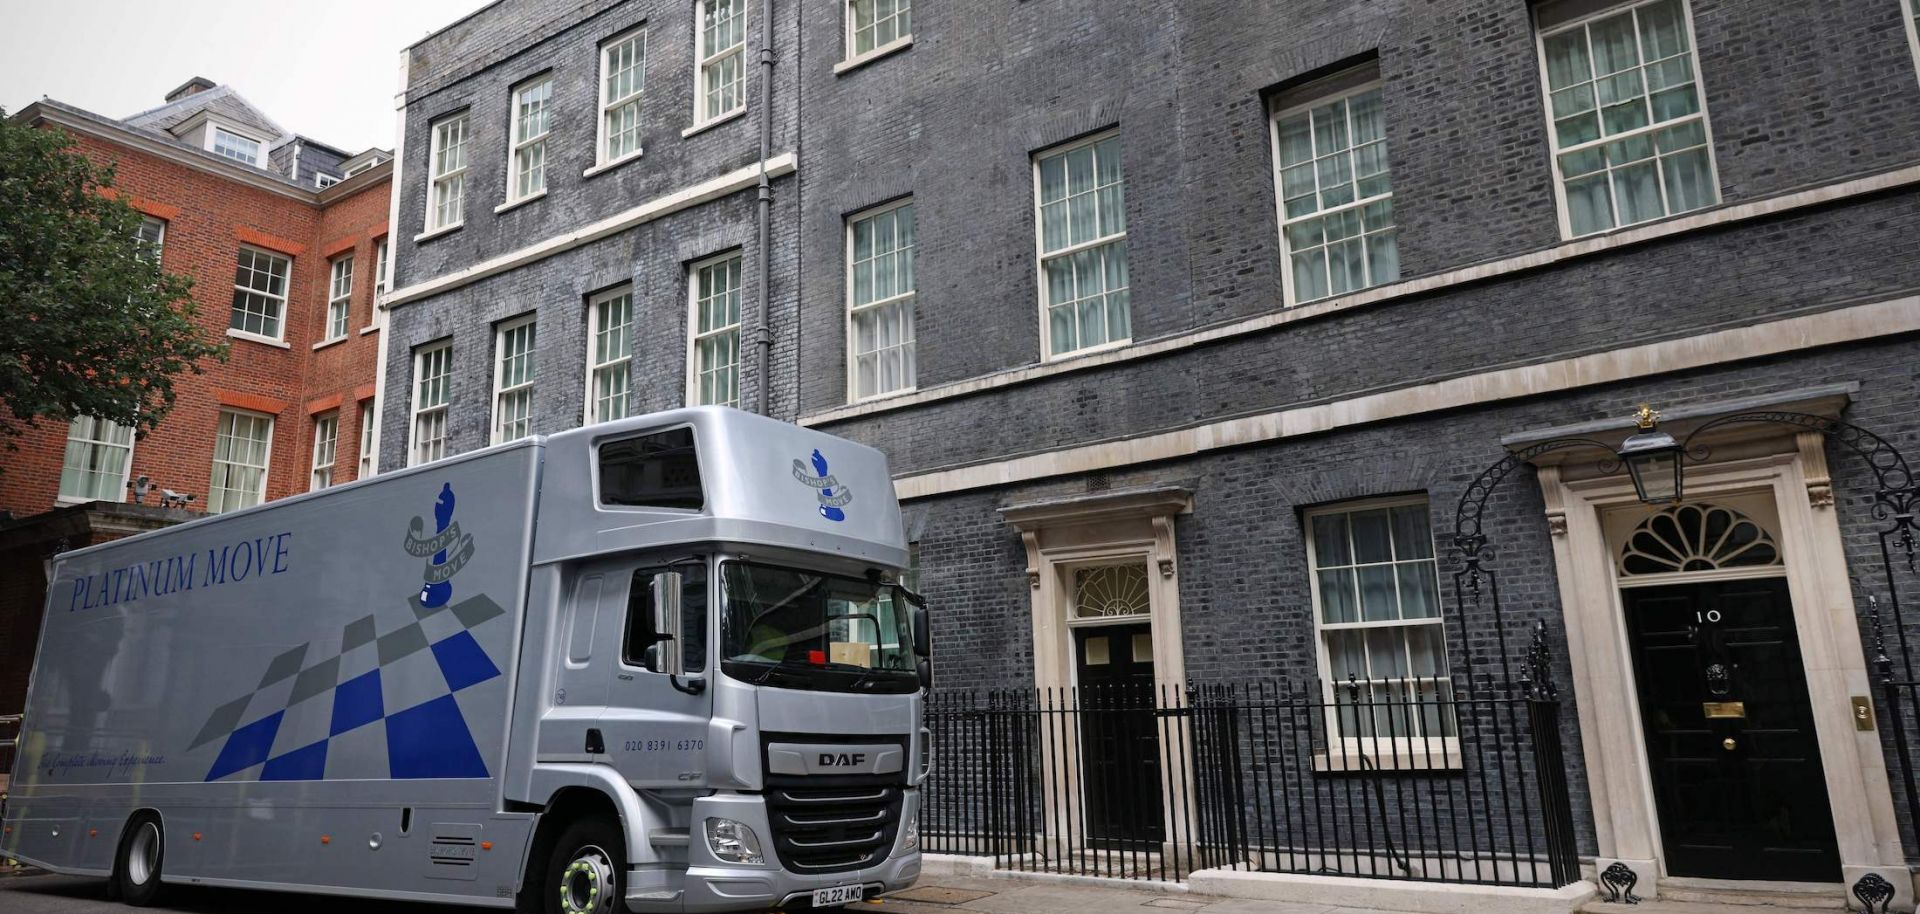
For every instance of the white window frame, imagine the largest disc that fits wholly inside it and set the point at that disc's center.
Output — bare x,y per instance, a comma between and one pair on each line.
695,336
364,468
1291,296
901,39
266,463
158,246
280,317
1042,255
1354,751
705,59
93,444
215,129
326,449
339,297
501,391
905,300
416,448
637,35
1554,152
519,148
595,366
322,180
439,132
380,267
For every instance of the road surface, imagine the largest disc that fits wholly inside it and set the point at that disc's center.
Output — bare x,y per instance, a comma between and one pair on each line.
935,895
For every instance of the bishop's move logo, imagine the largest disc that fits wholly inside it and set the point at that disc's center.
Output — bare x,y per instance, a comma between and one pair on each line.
449,548
833,496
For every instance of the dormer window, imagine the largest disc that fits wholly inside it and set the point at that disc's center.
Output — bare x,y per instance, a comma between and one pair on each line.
365,161
324,180
239,148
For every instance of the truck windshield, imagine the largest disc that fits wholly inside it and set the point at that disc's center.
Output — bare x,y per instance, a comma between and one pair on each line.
805,629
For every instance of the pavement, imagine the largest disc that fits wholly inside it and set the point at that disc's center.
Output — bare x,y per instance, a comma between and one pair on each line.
45,894
949,894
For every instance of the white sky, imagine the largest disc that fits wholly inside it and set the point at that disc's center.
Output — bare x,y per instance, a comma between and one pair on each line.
328,71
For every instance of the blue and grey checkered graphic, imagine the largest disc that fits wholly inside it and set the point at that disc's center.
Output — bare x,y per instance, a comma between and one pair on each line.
301,711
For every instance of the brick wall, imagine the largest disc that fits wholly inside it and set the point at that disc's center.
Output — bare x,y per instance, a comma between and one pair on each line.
339,378
472,67
208,218
1795,99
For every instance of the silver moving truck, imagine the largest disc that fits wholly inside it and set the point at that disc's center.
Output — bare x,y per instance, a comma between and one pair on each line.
662,663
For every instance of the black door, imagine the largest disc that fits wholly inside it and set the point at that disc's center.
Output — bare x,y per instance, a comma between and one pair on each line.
1119,737
1729,728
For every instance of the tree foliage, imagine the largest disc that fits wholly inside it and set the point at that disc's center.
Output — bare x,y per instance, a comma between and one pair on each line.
89,323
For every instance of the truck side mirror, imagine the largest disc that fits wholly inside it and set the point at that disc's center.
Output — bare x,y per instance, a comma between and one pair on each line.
922,635
666,622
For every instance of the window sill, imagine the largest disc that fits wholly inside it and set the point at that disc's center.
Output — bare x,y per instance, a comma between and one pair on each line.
705,126
325,343
616,163
257,338
435,233
886,50
881,398
370,328
68,501
1567,236
510,204
1412,755
1090,350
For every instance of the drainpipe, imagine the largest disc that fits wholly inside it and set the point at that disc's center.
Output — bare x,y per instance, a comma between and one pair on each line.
380,309
762,332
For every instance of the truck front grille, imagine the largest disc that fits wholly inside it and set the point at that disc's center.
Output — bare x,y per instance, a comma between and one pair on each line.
819,828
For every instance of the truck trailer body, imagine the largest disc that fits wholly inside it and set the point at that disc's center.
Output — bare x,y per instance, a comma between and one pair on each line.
662,661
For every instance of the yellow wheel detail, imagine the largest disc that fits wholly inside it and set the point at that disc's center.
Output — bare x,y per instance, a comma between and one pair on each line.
580,882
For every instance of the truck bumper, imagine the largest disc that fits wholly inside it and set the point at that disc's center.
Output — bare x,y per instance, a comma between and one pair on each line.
729,889
710,885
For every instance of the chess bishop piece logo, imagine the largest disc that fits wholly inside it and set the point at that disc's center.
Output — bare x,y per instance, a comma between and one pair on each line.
450,550
833,496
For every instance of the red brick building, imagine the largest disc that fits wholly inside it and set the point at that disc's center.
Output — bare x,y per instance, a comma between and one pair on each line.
285,240
308,241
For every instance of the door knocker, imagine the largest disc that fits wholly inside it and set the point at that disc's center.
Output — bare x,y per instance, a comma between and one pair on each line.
1719,679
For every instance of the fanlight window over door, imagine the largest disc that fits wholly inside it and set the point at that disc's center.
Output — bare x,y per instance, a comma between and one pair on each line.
1697,537
1110,591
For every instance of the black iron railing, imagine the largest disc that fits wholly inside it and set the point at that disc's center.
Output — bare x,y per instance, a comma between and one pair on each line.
1397,780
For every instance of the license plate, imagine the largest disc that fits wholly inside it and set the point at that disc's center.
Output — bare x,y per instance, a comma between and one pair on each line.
838,895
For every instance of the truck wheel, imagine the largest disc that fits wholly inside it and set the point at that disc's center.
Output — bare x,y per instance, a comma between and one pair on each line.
136,868
587,873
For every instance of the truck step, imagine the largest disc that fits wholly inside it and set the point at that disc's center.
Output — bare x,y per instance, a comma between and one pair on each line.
667,837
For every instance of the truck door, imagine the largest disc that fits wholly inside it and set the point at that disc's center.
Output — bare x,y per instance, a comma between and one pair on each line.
656,725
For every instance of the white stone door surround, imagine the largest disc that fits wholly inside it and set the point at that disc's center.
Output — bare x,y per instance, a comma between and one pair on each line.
1064,533
1789,467
1061,534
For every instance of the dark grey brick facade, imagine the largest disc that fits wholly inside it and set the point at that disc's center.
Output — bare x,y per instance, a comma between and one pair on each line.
1798,96
472,67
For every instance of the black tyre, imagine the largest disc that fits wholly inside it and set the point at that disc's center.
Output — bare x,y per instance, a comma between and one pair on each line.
136,866
587,872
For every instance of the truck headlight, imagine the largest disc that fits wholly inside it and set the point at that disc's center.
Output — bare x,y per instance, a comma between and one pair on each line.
733,842
910,833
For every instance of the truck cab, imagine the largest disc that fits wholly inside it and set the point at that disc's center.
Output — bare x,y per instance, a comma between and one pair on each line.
721,646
